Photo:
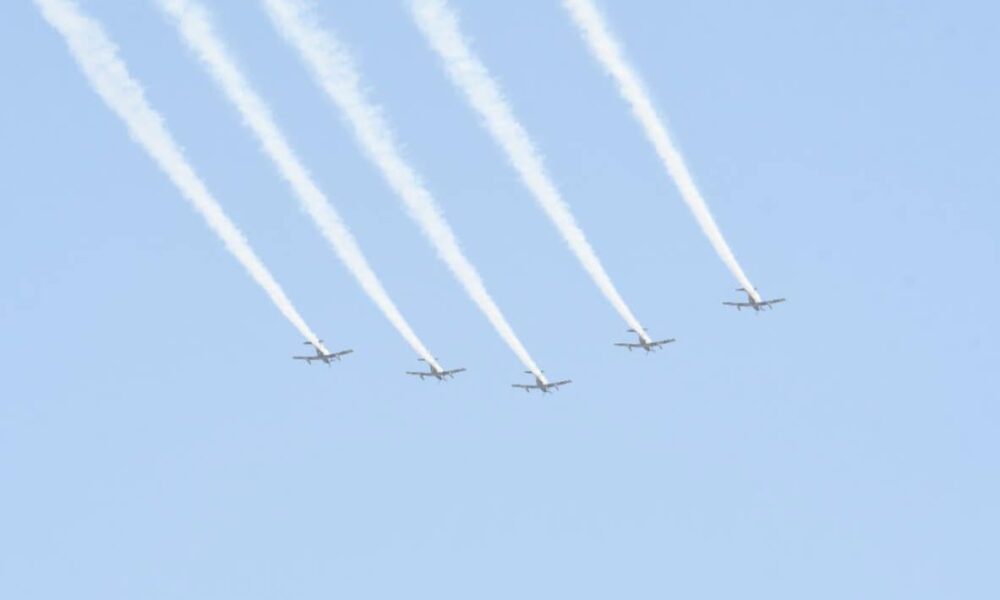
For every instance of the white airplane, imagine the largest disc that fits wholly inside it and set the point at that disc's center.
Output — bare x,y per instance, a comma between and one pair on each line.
643,344
751,303
435,372
323,356
540,385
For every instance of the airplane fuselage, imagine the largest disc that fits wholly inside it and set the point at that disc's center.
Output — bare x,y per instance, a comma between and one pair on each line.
326,358
434,373
751,302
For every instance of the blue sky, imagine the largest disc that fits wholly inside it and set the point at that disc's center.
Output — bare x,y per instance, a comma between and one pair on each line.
157,442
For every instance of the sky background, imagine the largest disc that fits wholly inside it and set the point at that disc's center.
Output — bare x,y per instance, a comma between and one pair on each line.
157,442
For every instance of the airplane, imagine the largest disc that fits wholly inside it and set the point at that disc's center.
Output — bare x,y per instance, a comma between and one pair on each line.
751,303
643,344
540,385
435,372
320,355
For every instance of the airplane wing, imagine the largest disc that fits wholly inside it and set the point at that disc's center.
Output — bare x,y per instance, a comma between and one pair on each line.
306,358
524,386
737,304
341,353
559,383
418,373
453,371
663,342
770,302
626,345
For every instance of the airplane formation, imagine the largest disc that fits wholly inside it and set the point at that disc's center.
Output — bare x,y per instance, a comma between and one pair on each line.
541,385
335,73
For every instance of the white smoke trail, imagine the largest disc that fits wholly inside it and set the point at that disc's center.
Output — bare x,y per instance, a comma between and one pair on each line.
440,25
196,29
98,58
334,71
608,52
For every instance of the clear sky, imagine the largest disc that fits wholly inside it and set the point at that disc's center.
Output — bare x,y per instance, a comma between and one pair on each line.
156,441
